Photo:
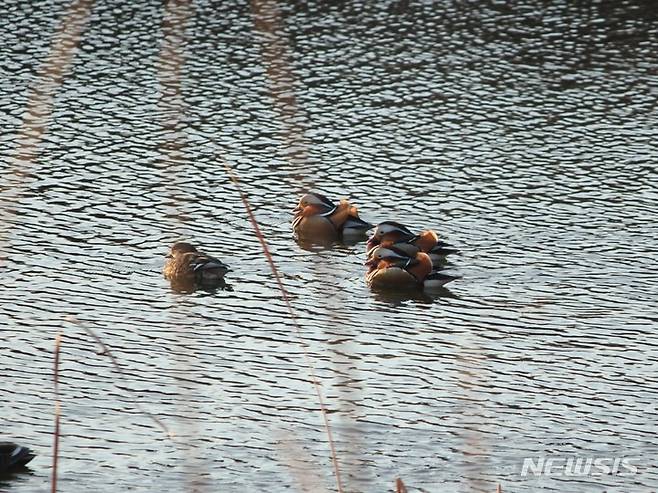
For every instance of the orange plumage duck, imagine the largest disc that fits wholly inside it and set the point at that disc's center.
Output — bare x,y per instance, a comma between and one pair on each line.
393,268
318,217
393,234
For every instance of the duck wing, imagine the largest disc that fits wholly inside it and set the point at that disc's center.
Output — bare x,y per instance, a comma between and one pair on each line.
355,222
201,262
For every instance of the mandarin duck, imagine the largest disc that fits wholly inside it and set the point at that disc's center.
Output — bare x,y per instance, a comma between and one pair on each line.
13,456
391,233
316,216
390,267
186,264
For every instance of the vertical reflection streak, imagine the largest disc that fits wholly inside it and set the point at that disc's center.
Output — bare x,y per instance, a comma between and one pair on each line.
171,104
278,69
39,109
171,110
475,450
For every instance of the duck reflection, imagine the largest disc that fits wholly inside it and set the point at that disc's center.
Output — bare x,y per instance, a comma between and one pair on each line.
189,286
417,294
319,244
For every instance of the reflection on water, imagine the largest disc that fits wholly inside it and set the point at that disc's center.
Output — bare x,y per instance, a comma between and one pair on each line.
349,243
524,134
397,297
190,286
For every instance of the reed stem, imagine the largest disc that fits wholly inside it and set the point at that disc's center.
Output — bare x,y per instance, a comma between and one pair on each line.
293,317
53,482
106,351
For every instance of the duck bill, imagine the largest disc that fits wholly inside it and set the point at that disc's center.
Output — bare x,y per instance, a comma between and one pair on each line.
371,265
297,209
371,262
372,243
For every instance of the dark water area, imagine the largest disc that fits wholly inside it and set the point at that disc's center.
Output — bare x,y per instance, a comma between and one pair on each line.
523,132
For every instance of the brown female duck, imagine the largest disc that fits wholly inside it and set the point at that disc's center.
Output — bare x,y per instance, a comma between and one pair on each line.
186,264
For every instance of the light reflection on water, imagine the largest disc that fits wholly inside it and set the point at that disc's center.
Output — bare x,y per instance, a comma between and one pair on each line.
523,134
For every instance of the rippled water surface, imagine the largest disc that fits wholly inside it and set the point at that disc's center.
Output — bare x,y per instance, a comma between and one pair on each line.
524,132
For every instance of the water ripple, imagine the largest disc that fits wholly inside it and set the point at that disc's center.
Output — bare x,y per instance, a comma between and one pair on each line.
525,135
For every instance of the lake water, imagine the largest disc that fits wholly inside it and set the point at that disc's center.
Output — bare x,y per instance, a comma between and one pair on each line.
523,132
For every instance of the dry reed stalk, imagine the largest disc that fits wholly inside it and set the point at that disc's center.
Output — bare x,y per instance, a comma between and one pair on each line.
399,486
106,352
293,318
499,489
58,343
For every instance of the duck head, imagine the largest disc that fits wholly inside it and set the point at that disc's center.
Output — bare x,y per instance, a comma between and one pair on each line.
388,231
313,200
388,227
181,248
379,253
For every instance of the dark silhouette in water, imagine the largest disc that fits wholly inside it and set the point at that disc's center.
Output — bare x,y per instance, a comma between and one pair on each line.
13,456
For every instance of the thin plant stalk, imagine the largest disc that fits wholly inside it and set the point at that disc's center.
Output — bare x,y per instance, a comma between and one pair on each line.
293,317
106,351
53,482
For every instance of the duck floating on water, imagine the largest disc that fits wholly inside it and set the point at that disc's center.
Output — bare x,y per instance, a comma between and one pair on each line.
185,264
390,267
317,216
14,456
393,234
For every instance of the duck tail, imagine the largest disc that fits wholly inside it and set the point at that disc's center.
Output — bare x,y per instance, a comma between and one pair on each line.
443,248
438,278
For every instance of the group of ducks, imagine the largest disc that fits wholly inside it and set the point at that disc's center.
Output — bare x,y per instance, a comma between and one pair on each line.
396,257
